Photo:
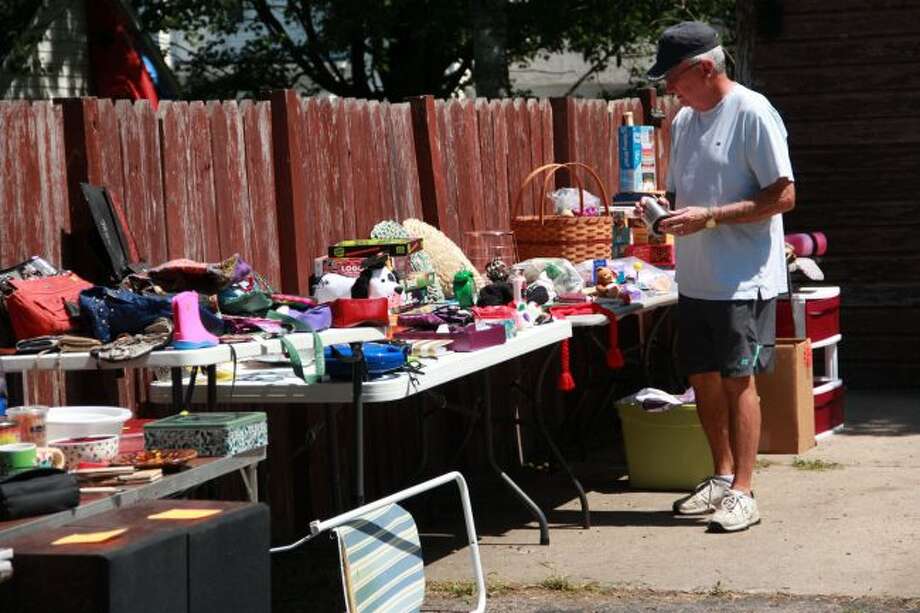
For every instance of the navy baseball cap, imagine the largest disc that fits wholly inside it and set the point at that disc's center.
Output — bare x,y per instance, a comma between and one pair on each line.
677,43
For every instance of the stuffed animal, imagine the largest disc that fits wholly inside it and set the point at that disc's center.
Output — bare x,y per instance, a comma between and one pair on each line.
464,287
376,280
497,271
605,285
495,294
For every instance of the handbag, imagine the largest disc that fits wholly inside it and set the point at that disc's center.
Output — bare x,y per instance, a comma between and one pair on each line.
38,307
36,492
350,312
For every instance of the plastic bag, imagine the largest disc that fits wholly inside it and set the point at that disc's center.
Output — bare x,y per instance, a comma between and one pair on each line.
566,198
563,274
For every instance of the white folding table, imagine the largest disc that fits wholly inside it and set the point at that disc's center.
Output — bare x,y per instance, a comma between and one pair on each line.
281,386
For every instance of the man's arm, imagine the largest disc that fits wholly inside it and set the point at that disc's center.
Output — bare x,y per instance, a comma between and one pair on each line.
776,198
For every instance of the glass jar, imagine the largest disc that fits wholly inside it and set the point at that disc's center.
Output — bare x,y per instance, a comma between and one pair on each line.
9,431
31,420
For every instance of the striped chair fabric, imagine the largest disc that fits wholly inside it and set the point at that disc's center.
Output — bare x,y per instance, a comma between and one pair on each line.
381,559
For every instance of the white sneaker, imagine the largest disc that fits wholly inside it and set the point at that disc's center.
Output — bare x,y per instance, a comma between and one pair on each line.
704,498
738,511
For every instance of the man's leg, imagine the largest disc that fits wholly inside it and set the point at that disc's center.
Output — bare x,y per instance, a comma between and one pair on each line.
744,410
713,406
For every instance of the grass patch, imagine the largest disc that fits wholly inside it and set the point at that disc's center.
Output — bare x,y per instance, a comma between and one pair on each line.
762,463
558,583
816,464
467,588
454,589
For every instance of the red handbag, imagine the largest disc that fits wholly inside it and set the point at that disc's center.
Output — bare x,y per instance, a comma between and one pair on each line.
350,312
37,307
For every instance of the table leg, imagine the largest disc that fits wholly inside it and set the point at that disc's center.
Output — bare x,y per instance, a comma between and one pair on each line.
335,468
358,402
541,424
250,477
530,504
176,374
212,387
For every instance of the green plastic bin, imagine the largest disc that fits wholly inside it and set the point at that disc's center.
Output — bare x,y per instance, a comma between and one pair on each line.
664,451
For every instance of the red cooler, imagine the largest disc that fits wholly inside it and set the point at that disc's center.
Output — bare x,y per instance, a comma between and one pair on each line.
813,312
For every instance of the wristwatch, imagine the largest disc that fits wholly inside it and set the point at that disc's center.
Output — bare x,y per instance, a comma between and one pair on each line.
710,219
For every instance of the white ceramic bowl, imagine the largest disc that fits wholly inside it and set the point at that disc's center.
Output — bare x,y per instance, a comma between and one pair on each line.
95,449
77,421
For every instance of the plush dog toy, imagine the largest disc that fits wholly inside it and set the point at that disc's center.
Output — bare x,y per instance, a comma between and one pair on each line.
375,281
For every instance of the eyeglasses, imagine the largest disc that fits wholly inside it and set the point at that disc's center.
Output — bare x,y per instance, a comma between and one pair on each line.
673,75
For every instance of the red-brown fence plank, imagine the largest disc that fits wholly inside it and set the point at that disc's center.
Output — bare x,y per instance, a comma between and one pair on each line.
447,126
231,189
143,185
257,130
404,170
201,189
181,238
489,200
380,204
345,213
502,187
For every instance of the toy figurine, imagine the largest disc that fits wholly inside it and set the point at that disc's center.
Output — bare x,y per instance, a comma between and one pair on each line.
606,286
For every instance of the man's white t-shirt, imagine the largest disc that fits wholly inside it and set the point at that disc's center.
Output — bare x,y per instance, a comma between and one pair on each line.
724,155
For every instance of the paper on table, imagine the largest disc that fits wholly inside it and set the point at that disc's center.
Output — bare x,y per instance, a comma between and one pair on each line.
185,514
89,537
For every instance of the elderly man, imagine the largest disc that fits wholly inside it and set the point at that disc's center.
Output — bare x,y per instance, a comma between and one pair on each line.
730,179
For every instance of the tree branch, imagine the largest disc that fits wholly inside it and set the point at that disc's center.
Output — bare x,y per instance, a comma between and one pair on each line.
594,68
316,68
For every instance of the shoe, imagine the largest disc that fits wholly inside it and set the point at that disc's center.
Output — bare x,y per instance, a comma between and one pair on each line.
704,498
738,511
189,332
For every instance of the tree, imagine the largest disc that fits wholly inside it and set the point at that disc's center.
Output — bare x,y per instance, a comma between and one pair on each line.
392,49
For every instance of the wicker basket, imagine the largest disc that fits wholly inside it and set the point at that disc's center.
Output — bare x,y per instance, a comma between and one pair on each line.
574,238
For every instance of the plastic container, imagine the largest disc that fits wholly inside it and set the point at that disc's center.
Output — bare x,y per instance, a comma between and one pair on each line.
666,450
31,420
814,312
830,399
78,421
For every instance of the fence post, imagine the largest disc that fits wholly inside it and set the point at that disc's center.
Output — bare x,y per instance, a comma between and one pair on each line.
84,165
648,96
429,160
563,136
290,191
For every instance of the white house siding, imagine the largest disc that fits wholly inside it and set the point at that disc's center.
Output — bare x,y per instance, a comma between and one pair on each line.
60,61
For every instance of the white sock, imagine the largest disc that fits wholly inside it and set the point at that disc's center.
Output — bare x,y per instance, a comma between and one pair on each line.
727,478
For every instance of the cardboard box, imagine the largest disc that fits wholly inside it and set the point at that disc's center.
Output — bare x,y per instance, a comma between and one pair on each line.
637,158
787,405
365,247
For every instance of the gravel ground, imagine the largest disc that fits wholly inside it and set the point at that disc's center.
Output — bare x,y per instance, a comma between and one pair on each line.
538,600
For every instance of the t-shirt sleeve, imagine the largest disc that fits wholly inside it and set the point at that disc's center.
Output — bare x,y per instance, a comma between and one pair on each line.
766,147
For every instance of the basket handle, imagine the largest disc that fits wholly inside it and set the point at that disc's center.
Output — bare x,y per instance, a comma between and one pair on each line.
553,168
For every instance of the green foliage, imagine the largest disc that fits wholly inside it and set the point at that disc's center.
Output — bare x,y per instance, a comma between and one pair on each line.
392,49
17,37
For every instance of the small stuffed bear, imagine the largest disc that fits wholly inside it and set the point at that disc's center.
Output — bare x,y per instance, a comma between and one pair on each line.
605,285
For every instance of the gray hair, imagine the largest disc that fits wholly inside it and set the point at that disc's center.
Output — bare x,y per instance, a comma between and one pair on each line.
716,56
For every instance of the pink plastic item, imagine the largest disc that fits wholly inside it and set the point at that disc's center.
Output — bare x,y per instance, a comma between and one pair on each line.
189,333
806,244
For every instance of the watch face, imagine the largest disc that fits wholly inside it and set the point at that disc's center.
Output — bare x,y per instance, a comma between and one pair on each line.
711,223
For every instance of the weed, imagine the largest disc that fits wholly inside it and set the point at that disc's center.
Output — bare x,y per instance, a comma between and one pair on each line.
816,464
455,589
558,583
762,463
718,590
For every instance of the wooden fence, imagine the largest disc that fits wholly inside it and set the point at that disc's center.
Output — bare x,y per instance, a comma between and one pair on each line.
277,181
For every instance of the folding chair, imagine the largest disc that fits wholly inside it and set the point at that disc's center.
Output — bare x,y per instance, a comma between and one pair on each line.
380,553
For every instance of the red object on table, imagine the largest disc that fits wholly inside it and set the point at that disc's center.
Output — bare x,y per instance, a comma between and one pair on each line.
132,436
614,355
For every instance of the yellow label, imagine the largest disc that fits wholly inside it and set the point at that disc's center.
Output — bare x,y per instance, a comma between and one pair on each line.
185,514
89,537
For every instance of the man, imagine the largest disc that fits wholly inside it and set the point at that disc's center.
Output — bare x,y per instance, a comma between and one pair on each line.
730,179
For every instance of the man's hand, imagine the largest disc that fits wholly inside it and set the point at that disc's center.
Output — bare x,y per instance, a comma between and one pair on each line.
639,210
685,221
